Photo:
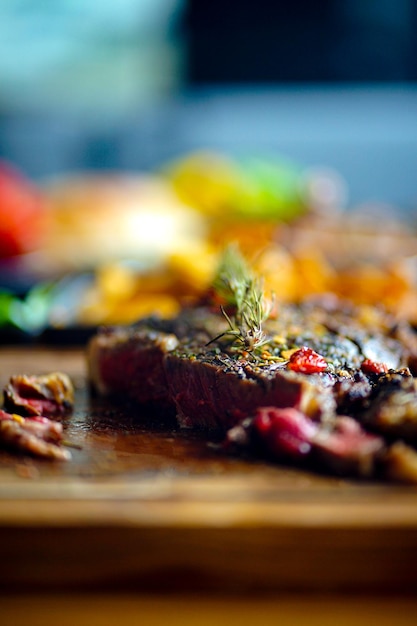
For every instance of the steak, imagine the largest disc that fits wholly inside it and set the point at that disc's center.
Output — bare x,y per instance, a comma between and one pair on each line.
48,395
327,361
36,435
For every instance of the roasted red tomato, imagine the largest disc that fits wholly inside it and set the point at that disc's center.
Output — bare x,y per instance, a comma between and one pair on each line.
373,367
22,213
307,361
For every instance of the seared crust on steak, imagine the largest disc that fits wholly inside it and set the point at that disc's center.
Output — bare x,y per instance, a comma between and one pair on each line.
357,365
216,392
130,363
174,362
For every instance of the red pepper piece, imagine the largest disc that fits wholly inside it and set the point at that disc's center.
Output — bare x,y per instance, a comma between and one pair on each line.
373,367
307,361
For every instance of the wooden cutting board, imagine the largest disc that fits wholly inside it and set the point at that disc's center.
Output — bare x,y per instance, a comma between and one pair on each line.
146,506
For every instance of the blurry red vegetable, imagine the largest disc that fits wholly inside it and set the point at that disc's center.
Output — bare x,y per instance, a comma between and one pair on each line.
22,213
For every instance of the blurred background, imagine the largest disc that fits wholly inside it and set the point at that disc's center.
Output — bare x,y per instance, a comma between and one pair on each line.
263,109
133,84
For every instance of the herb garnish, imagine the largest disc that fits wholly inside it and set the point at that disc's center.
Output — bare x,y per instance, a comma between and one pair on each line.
243,295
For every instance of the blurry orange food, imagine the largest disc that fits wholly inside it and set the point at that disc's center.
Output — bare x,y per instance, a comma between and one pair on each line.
97,219
122,294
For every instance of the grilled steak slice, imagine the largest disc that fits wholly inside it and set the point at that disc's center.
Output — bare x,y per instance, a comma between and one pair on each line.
38,436
215,391
336,378
48,395
129,362
392,407
340,445
209,391
175,365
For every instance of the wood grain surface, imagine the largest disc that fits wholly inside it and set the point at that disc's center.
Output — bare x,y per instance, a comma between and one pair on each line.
150,610
143,506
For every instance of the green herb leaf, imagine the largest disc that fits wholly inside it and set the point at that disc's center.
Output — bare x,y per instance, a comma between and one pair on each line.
241,290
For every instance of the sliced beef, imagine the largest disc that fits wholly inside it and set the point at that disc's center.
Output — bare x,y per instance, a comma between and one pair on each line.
347,449
129,362
175,365
352,394
38,436
355,395
48,395
391,408
214,391
340,445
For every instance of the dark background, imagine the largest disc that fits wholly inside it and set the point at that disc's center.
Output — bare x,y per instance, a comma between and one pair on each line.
300,41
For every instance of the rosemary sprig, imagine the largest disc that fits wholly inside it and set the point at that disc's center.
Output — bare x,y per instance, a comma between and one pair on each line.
233,278
242,292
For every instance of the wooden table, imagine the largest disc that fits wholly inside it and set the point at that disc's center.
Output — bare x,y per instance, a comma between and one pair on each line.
148,520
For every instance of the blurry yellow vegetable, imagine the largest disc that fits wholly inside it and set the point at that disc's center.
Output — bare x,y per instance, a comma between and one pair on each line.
115,281
206,181
194,267
245,188
97,309
122,294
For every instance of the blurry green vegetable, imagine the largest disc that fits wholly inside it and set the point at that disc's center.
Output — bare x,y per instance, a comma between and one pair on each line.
244,188
29,313
269,188
6,300
47,304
